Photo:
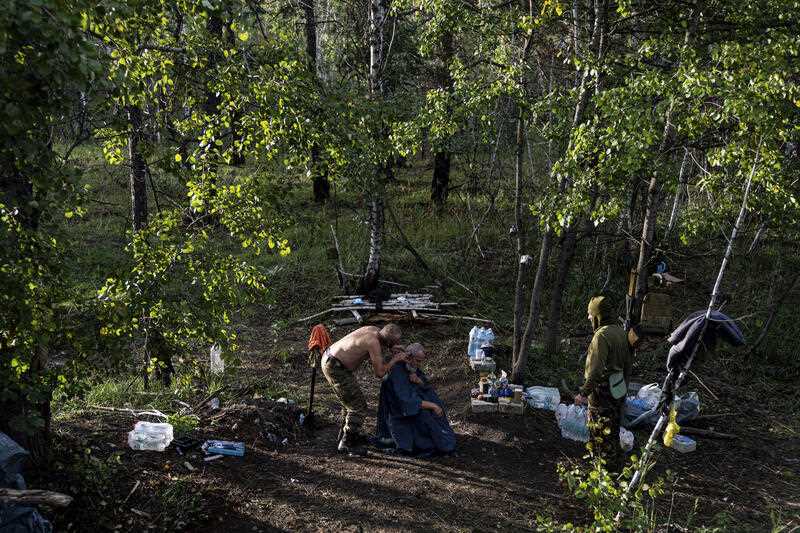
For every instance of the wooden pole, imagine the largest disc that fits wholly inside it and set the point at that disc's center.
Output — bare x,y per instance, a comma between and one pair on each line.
35,497
674,379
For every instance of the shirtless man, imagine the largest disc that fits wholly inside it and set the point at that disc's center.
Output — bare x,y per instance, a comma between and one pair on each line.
340,361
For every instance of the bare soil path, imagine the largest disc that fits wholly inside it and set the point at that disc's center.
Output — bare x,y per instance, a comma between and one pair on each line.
502,476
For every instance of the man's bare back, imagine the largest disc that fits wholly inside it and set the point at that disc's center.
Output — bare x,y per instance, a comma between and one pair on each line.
365,343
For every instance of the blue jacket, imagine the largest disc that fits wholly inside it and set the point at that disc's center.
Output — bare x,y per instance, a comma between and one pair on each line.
400,416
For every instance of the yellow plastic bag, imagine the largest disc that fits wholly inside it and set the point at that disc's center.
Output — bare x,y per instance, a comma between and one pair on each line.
672,426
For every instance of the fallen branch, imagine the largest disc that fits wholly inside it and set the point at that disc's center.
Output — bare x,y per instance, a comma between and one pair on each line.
316,315
707,433
458,317
35,497
209,397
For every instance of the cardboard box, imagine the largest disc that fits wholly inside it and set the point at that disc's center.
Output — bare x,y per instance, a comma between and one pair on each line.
479,406
512,408
485,365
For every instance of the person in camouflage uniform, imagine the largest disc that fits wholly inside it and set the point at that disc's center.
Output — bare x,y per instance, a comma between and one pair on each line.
608,360
339,363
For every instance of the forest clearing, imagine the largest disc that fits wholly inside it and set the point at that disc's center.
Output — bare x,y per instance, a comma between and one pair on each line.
399,265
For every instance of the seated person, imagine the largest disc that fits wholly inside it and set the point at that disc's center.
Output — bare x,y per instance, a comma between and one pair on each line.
410,414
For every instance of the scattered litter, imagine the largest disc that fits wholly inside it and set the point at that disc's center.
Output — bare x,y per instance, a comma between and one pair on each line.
152,436
141,513
224,447
572,422
478,339
285,442
683,444
212,458
286,401
214,403
189,466
650,394
135,486
301,418
543,397
263,419
217,363
625,439
184,444
358,301
640,412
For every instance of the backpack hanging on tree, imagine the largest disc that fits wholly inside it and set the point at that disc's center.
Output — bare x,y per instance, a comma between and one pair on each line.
656,318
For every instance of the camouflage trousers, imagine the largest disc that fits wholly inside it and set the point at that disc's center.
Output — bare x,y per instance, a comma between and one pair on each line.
346,388
605,414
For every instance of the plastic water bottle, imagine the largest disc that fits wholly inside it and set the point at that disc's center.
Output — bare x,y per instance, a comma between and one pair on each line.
217,363
489,337
473,333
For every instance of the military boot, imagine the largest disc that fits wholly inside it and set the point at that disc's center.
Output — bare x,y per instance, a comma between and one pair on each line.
351,445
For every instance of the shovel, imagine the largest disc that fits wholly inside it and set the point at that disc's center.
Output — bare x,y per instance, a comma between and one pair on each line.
309,420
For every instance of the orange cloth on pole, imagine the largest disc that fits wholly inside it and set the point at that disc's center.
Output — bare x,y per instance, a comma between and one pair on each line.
319,339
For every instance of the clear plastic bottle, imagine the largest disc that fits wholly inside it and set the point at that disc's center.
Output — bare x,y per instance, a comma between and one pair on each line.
473,341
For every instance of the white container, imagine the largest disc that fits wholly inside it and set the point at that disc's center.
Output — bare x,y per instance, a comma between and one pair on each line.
543,397
572,422
683,444
150,436
650,394
479,406
473,342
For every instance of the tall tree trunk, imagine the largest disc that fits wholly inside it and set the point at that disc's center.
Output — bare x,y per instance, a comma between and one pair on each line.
651,210
588,80
376,221
646,243
377,20
138,174
524,261
683,178
520,362
440,183
773,312
583,81
321,186
553,326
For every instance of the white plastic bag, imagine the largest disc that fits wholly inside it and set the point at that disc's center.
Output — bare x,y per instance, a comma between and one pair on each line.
625,439
543,397
217,364
650,394
572,420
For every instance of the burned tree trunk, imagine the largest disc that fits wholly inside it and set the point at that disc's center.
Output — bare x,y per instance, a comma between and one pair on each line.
440,184
321,186
441,178
138,173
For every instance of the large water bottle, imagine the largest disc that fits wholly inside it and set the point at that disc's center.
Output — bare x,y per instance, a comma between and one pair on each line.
473,334
488,337
479,335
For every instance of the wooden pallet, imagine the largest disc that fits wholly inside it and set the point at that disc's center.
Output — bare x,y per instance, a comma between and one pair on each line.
416,306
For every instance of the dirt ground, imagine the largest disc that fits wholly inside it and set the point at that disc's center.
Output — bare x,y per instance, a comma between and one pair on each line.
502,476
